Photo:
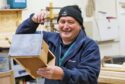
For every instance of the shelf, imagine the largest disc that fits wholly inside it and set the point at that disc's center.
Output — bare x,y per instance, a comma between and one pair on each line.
105,41
11,9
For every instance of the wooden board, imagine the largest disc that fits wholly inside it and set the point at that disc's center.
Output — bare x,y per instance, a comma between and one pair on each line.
32,64
7,77
9,20
111,77
5,39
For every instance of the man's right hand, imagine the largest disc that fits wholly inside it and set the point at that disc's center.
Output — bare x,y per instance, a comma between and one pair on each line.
40,17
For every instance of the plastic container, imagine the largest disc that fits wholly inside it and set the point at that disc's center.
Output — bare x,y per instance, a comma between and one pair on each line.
4,62
17,4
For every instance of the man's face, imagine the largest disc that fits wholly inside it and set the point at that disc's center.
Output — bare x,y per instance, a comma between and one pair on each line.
68,28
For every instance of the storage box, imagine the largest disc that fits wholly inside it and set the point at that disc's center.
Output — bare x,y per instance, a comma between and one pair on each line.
31,51
4,62
17,3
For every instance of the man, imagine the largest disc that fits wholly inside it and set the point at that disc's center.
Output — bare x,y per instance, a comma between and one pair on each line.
77,56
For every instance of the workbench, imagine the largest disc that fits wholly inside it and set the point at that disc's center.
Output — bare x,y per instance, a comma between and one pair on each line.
111,77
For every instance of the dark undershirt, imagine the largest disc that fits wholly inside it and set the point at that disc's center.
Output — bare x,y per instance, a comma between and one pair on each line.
64,48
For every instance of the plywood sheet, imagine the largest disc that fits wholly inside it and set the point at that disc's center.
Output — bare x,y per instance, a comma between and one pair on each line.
9,20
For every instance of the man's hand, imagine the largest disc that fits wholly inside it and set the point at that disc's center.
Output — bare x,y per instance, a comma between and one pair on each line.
40,16
51,72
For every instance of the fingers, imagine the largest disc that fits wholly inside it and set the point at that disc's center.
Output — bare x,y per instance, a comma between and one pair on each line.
40,17
45,72
51,72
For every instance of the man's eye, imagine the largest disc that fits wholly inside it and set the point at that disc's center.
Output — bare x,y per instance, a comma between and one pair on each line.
62,21
70,22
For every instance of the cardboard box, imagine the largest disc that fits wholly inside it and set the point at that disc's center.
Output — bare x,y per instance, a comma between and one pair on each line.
31,51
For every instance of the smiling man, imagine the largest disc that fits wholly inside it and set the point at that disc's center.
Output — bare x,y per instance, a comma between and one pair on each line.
77,56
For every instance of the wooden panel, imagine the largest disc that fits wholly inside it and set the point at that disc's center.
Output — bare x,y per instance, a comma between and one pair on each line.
9,20
111,77
5,39
7,77
31,65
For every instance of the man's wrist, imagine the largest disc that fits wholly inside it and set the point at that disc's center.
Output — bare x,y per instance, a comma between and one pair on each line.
31,18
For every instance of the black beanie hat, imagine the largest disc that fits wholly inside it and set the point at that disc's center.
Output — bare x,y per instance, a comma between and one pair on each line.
73,11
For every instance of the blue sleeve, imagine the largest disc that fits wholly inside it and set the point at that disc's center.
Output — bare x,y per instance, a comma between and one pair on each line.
27,26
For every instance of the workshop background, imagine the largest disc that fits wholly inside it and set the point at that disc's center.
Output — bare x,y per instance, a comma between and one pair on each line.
103,21
96,8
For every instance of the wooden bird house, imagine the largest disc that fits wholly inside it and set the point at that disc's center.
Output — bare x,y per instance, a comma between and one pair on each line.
31,51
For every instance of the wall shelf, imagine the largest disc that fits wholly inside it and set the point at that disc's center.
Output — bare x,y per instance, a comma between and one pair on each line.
2,10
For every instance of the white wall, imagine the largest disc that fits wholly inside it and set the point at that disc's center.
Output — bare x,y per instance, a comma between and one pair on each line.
2,3
117,47
37,5
121,19
110,8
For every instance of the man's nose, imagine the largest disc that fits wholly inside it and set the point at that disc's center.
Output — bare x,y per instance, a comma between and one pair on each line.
66,25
